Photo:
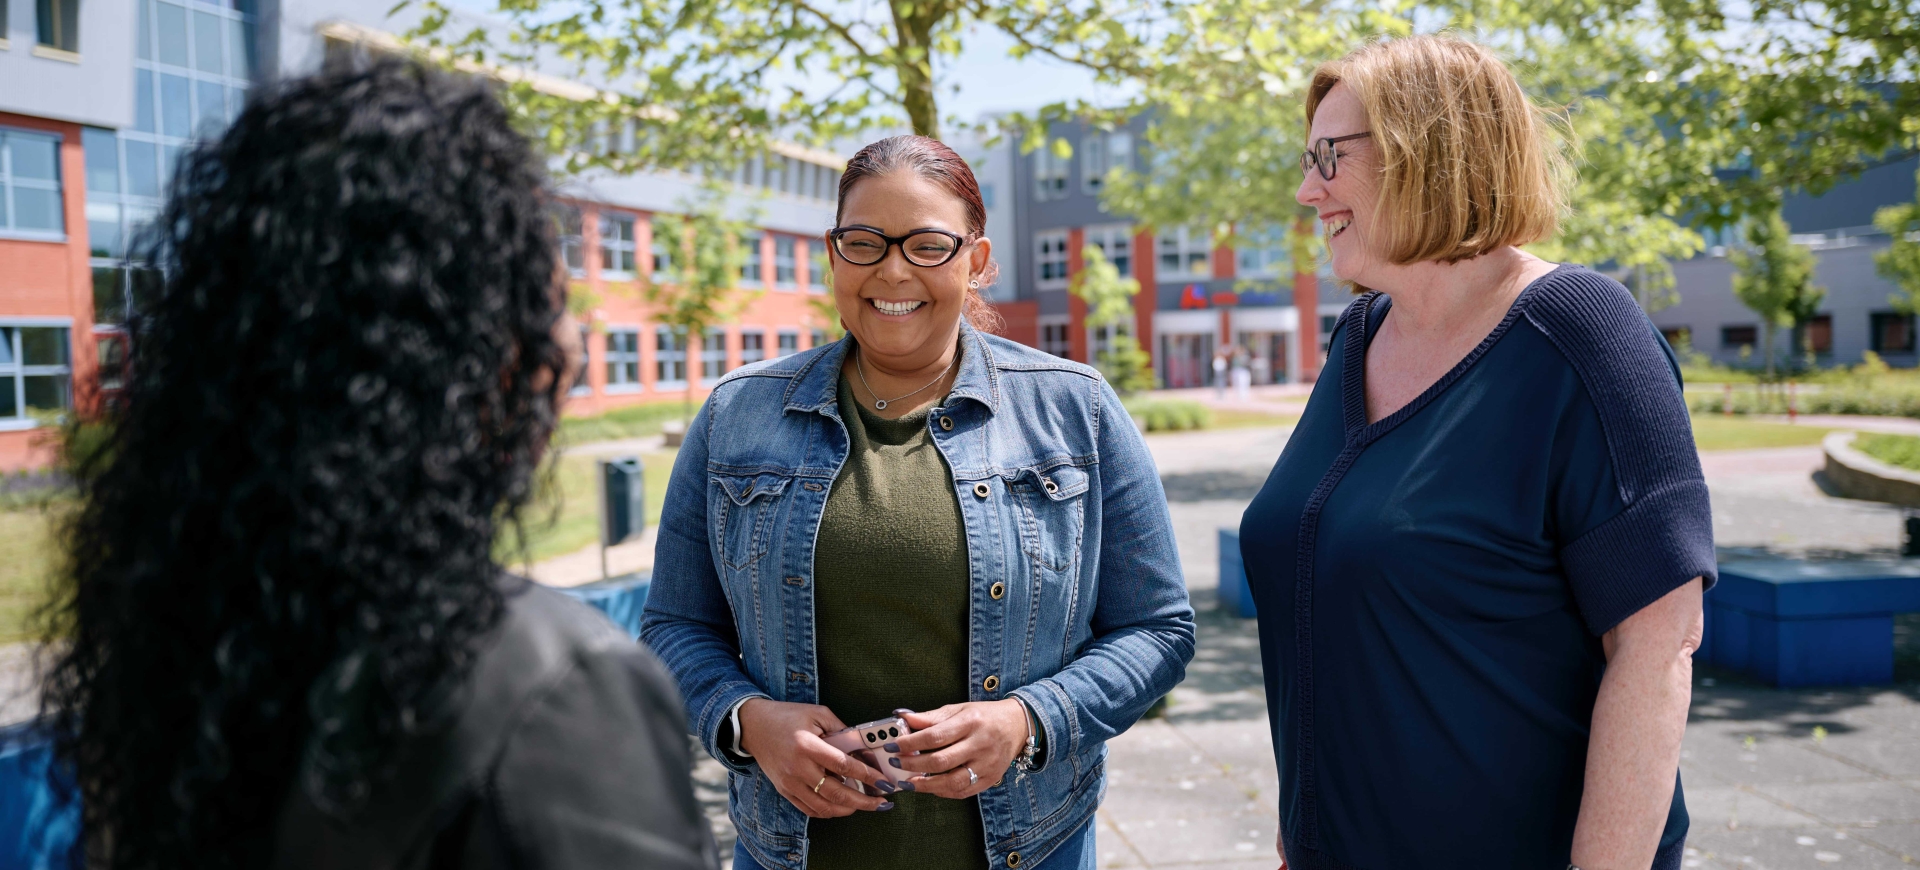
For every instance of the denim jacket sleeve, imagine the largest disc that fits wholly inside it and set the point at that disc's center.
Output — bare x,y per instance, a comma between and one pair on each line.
688,621
1142,622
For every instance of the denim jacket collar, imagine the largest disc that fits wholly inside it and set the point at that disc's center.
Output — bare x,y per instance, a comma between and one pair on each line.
816,387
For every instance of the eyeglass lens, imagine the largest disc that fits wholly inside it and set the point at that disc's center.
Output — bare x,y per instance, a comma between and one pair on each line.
864,248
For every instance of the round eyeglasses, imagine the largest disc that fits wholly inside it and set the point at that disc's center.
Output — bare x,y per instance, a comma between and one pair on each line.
866,246
1322,156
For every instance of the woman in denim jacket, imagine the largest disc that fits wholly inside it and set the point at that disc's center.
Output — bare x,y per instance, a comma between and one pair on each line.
921,516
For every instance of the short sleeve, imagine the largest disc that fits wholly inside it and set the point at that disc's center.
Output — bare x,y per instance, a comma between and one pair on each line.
598,774
1632,516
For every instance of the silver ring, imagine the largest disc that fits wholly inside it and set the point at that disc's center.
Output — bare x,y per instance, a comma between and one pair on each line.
972,777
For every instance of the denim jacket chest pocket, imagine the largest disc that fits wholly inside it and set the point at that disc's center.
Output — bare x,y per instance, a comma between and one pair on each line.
745,508
1050,503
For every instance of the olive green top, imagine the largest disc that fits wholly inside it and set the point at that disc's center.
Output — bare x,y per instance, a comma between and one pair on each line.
890,604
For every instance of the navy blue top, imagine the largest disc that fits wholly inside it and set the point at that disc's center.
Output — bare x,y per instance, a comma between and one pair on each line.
1432,587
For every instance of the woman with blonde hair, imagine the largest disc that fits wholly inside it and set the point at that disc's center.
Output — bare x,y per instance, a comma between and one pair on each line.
1479,561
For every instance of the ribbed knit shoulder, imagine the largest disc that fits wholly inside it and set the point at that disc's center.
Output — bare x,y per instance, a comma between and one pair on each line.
1628,372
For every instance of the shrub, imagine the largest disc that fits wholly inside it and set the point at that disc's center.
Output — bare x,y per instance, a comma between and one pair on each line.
1899,450
1165,415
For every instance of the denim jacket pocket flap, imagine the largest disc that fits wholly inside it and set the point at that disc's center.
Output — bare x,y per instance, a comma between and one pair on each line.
742,489
1062,482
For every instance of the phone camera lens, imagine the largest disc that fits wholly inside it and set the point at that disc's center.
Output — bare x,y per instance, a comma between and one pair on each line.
893,732
872,737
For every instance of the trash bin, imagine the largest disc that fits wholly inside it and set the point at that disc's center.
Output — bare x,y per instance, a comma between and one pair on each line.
623,493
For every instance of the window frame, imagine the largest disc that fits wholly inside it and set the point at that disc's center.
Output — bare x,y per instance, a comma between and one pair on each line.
573,239
15,373
1110,236
759,354
785,265
623,357
1056,335
9,184
612,246
1876,319
1046,260
1050,174
669,349
1262,253
712,356
754,261
1183,252
62,17
1102,155
786,343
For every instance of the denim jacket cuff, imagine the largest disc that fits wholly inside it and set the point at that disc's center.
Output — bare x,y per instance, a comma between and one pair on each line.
715,716
1055,713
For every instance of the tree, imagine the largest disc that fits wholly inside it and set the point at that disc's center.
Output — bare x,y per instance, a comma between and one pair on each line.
1900,262
700,291
1109,299
1774,277
705,82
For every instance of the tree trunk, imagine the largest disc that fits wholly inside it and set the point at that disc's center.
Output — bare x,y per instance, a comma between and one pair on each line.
1766,344
913,39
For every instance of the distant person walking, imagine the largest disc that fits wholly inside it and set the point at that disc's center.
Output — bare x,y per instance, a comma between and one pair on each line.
925,520
286,642
1479,561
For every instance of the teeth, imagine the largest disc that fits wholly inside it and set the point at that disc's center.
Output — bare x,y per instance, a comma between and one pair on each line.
895,307
1337,226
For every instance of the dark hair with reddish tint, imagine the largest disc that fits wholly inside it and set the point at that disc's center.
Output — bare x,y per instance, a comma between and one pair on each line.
931,159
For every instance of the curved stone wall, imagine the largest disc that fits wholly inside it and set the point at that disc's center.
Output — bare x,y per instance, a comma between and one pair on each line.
1856,475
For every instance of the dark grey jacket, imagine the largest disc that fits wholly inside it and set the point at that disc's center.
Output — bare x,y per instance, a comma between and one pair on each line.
569,750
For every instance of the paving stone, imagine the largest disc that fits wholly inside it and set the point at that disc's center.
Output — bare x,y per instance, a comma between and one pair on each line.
1787,849
1851,803
1904,839
1724,808
1726,757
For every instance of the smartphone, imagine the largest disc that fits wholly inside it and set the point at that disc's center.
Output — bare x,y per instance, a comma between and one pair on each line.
867,743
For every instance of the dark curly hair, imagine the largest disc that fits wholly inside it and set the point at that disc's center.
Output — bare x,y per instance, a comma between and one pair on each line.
283,554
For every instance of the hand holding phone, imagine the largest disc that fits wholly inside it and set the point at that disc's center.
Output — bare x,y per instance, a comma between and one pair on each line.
874,744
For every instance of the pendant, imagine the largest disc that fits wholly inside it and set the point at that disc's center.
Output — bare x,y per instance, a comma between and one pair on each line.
879,404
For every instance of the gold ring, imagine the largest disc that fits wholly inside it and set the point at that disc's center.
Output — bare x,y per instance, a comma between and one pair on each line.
817,785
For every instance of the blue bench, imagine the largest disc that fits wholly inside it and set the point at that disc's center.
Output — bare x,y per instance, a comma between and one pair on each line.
1793,622
37,828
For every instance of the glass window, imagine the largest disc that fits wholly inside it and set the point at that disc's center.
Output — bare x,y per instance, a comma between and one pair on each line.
236,101
713,355
776,172
783,264
1819,339
176,106
1185,251
143,114
623,358
662,254
1051,256
212,115
817,337
30,182
1262,251
1732,337
669,356
169,160
35,370
750,267
239,49
109,295
171,29
1049,174
143,38
208,31
753,347
817,267
572,244
1054,338
143,179
1892,333
1115,241
789,344
103,160
112,353
58,24
103,229
616,244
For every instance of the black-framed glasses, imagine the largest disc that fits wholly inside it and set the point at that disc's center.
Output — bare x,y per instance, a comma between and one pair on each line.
865,246
1322,156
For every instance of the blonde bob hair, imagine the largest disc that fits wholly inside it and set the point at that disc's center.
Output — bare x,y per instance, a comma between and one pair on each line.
1467,163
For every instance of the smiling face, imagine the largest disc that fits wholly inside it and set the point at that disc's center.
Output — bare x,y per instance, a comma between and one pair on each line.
906,317
1346,204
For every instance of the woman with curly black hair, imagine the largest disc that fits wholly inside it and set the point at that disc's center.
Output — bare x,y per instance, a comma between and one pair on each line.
287,643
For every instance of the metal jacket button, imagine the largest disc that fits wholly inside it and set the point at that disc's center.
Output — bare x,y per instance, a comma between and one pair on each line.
981,490
946,423
1013,859
999,590
1051,487
990,683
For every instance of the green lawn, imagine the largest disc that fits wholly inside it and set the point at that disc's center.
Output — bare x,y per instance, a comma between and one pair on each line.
567,516
1719,432
1234,418
1899,450
27,560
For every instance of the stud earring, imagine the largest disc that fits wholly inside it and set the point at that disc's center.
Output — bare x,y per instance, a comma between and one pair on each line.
974,284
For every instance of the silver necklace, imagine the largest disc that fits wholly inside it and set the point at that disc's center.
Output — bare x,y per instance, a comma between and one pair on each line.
879,404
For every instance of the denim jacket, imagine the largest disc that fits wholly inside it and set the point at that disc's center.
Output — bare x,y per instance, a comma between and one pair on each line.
1077,601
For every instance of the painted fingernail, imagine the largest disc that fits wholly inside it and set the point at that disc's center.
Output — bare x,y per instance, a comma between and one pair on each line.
884,806
885,786
902,711
892,747
907,786
895,762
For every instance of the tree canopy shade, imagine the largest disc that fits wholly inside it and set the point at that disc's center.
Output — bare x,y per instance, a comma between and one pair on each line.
1774,277
704,82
